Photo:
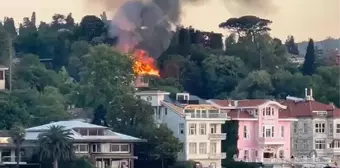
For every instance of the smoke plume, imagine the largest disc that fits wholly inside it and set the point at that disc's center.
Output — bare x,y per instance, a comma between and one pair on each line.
246,7
147,24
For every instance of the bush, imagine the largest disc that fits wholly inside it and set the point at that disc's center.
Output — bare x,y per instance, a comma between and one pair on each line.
184,164
234,164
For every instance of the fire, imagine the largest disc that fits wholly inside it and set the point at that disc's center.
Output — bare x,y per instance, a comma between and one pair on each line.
144,64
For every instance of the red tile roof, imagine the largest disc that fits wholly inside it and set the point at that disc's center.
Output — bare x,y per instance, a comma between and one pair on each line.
238,113
306,108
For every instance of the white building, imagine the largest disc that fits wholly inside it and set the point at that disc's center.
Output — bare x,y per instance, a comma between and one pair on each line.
106,148
195,122
3,70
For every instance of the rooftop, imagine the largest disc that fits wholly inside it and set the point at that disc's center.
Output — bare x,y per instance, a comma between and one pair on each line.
33,133
310,108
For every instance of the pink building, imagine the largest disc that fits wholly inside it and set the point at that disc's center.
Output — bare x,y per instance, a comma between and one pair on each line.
264,128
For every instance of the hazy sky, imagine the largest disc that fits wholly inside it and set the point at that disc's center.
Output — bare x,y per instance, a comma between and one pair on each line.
317,19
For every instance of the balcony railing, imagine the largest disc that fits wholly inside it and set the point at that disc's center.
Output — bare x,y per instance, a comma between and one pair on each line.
217,155
222,136
207,115
271,140
297,161
12,160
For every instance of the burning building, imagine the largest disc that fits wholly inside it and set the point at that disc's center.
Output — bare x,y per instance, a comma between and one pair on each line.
144,65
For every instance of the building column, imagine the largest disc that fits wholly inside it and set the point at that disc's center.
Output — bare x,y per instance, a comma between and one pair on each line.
131,164
12,155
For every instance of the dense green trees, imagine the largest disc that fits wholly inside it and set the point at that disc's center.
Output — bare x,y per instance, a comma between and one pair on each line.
85,71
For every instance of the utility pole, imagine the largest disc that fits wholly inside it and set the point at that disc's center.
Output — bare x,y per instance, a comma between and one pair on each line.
10,63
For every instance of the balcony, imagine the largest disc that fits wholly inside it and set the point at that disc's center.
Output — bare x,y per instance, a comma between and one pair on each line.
206,116
12,160
217,155
222,136
298,161
270,141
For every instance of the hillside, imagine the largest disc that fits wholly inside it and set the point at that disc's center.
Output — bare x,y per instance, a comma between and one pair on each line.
328,43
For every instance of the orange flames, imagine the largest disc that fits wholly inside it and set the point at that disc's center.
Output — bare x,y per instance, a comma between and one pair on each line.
144,64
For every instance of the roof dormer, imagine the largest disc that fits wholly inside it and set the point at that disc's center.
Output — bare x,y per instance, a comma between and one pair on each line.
182,96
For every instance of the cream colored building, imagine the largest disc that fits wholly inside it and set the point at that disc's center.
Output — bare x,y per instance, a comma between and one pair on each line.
196,123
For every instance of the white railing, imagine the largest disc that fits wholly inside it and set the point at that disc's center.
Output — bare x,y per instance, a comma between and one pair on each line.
295,161
217,155
12,159
207,115
298,160
221,136
270,140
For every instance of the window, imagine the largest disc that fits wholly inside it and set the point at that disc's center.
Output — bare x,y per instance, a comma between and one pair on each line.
124,148
282,131
330,128
322,113
203,147
281,154
213,128
192,148
81,148
268,111
335,144
203,129
181,145
305,144
114,148
256,112
295,144
192,129
268,131
204,114
165,111
263,112
245,132
295,126
246,155
255,154
181,128
213,147
2,75
320,144
320,128
305,128
119,148
337,128
95,148
95,132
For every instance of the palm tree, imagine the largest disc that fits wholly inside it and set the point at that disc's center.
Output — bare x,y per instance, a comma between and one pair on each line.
56,144
17,133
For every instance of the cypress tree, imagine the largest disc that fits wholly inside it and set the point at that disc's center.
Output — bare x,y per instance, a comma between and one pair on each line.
309,66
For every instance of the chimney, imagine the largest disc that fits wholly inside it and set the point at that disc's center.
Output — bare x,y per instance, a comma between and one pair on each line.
311,94
306,93
235,103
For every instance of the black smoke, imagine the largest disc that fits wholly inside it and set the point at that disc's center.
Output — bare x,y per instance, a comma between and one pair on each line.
149,24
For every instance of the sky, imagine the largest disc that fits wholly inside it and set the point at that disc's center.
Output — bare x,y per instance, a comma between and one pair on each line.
304,19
